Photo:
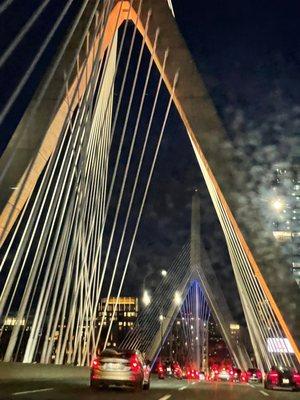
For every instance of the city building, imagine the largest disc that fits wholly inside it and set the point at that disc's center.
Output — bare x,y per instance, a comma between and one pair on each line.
286,205
217,349
235,331
126,310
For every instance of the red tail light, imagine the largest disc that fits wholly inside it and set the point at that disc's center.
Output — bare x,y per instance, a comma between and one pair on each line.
95,363
258,374
296,377
273,376
135,364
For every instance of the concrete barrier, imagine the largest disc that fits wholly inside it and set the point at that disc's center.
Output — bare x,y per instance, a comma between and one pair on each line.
20,371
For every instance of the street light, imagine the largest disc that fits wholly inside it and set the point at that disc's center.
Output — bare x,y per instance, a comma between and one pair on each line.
146,298
177,298
164,273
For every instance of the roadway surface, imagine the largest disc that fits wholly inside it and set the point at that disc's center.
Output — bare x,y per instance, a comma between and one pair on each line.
160,390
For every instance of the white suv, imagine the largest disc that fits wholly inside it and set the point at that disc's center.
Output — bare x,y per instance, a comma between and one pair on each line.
120,368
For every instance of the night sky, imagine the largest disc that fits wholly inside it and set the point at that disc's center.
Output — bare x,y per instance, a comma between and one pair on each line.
248,54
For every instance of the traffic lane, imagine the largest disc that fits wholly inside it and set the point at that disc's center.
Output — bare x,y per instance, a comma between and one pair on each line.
79,389
160,390
235,391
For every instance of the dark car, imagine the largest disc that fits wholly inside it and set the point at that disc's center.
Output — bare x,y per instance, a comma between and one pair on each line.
161,371
254,375
235,375
177,371
283,377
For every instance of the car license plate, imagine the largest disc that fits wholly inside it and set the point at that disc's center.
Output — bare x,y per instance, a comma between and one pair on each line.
284,380
112,366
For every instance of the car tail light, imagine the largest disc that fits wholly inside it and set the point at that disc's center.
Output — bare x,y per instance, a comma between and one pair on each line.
296,377
273,376
134,363
95,363
258,374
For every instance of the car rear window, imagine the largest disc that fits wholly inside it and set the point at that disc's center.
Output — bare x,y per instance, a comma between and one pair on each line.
117,354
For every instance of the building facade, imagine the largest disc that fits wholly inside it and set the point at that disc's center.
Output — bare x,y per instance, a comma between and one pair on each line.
286,204
126,310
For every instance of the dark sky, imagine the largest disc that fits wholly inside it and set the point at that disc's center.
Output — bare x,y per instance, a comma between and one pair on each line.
248,54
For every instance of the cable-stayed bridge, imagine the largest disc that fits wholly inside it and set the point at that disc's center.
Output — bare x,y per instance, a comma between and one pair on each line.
74,179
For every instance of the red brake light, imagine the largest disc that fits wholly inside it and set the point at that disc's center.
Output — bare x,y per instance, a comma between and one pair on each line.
273,376
95,363
134,363
296,376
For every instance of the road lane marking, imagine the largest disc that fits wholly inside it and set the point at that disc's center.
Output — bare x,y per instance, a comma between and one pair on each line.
251,385
264,393
32,391
166,397
182,388
193,383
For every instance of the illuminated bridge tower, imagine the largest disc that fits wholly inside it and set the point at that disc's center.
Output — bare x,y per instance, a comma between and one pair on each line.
201,326
63,112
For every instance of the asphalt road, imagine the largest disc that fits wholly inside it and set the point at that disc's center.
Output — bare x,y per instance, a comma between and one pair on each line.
160,390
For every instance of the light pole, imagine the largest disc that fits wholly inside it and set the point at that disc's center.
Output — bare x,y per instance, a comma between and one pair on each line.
161,319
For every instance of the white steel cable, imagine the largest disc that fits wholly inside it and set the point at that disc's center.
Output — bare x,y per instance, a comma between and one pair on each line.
149,317
146,318
23,305
27,74
7,53
137,172
127,166
5,5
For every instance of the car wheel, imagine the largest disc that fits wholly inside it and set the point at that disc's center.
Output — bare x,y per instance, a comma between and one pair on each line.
93,385
138,386
267,386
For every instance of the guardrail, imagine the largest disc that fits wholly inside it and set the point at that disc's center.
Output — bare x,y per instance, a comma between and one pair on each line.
20,371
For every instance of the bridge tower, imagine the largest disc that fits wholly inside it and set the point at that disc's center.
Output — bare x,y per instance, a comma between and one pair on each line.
201,326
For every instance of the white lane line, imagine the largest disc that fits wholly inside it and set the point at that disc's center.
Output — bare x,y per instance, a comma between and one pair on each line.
166,397
193,383
264,393
32,391
251,385
182,388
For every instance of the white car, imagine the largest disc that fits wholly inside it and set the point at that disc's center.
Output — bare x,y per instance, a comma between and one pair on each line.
120,368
